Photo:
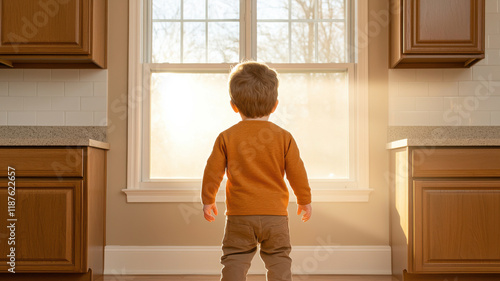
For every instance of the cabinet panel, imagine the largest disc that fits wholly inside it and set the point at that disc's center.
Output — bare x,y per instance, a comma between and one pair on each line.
456,162
436,34
456,226
32,162
49,226
45,27
445,26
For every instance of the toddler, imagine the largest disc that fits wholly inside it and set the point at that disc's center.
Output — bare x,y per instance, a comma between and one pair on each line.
255,154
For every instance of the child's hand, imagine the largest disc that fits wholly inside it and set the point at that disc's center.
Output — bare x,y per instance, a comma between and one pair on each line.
207,213
307,211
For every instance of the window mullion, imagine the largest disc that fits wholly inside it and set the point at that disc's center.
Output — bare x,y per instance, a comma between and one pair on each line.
206,31
316,33
289,31
182,32
251,36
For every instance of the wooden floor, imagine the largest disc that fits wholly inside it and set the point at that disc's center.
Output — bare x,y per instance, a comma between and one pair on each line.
250,278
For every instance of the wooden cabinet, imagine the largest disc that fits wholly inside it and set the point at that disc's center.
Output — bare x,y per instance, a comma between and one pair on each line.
436,34
53,33
445,209
59,213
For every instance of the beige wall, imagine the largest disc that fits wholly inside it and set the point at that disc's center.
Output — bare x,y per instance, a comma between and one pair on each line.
183,224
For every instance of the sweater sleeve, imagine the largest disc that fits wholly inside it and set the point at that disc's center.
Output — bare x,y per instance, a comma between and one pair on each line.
214,172
296,174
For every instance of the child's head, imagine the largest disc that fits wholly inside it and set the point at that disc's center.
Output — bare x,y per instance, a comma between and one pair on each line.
253,88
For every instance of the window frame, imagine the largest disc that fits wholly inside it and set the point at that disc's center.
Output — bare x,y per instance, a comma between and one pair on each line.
188,190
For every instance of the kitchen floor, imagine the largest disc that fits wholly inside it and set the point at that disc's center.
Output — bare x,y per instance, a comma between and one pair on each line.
250,278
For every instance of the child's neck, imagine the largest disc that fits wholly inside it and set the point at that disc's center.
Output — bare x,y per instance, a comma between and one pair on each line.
263,118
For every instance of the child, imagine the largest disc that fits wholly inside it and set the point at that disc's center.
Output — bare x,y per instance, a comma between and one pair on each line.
255,153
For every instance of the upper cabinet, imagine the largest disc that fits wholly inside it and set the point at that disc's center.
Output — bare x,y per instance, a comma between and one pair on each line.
436,33
53,33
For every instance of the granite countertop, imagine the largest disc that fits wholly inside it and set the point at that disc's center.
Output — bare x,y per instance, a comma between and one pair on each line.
53,136
443,136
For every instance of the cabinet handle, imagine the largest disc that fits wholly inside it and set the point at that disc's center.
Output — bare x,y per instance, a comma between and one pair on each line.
6,62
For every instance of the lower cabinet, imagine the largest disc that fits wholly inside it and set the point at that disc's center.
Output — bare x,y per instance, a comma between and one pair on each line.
445,213
457,226
48,228
55,228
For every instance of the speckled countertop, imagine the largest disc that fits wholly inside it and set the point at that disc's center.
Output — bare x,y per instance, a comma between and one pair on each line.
443,136
94,136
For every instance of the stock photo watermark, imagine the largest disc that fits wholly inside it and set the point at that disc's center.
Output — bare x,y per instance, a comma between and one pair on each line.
11,219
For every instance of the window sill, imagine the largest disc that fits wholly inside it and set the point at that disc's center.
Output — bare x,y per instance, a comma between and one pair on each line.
193,195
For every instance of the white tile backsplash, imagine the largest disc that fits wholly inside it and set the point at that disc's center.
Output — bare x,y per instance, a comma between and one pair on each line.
93,75
429,75
93,104
443,89
413,89
10,75
50,118
11,104
65,75
79,118
50,89
3,118
65,103
37,103
53,97
22,89
36,75
495,118
78,89
21,118
4,88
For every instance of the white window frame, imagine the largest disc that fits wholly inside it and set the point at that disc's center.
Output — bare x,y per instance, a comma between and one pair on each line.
181,190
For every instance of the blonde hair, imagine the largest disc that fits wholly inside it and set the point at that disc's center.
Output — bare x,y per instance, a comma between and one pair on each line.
253,88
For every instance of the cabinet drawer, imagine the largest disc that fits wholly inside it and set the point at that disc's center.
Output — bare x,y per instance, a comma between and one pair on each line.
456,162
50,162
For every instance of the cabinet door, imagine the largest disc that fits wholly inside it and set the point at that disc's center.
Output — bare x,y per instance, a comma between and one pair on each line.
457,226
45,27
48,228
444,26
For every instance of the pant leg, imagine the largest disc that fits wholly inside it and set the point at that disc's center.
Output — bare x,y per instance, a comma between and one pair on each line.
238,247
275,248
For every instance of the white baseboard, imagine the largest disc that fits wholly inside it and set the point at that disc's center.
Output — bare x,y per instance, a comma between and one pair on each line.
307,260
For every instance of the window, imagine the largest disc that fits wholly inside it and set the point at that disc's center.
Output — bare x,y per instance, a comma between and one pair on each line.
179,100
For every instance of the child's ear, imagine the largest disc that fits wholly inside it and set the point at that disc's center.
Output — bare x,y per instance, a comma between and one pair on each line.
233,106
274,108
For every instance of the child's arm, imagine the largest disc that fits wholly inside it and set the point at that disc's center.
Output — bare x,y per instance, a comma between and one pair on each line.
212,177
297,176
207,212
307,211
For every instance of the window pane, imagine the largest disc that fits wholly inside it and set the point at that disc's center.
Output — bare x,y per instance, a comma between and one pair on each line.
194,9
332,42
314,107
194,42
272,42
186,118
188,111
196,39
223,42
166,42
303,9
223,9
303,42
316,30
332,9
166,9
275,9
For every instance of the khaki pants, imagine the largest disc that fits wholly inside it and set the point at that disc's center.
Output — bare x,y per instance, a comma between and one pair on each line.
241,237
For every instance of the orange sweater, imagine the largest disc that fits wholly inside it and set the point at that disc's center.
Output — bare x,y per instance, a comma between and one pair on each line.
256,155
